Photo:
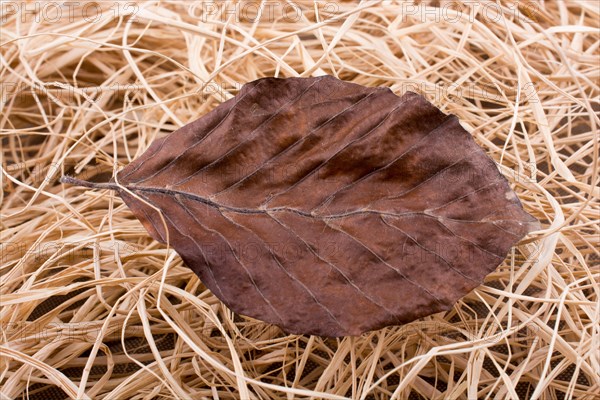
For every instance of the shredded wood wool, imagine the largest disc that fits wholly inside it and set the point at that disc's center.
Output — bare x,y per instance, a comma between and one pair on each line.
93,308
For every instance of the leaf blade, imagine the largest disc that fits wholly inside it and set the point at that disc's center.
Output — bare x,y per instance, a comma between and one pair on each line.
413,211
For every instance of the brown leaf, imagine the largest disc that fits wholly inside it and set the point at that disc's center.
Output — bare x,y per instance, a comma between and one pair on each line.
326,207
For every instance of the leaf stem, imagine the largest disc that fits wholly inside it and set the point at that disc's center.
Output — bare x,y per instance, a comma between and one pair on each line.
94,185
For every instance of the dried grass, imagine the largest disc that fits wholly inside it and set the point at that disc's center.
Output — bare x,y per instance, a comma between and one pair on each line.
93,308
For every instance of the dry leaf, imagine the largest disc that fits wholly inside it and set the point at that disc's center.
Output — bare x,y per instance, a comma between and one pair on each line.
326,207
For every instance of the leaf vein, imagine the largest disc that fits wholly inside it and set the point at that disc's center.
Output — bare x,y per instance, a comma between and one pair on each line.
346,277
233,252
429,250
330,198
210,271
222,156
289,274
312,131
173,161
311,172
414,283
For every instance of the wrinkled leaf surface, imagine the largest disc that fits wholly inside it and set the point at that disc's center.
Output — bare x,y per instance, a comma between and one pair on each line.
326,207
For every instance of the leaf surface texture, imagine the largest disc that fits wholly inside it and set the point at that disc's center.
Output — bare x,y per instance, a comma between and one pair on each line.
326,207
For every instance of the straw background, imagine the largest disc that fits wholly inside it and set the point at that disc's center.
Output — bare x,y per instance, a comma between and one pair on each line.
94,308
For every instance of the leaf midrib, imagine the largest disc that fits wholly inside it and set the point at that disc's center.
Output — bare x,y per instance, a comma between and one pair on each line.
240,210
266,211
